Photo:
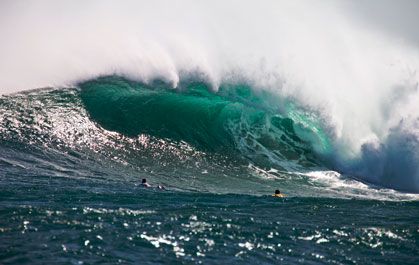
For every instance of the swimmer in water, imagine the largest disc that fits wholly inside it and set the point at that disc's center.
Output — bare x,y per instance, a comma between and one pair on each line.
278,194
145,184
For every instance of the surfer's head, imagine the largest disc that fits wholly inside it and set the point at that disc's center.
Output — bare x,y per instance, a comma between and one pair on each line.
144,181
277,192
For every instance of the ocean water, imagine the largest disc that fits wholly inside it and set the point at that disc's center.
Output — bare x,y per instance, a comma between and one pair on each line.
222,103
72,159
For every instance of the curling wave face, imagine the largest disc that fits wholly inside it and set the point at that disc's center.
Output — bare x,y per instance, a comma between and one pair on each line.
236,119
238,139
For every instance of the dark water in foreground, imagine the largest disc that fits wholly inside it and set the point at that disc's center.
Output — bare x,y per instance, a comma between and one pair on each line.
71,161
80,222
71,222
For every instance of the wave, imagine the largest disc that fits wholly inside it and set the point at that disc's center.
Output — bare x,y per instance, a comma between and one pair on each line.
258,124
106,131
233,119
326,86
238,132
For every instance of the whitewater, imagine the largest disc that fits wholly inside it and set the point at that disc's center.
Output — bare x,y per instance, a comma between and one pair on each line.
221,102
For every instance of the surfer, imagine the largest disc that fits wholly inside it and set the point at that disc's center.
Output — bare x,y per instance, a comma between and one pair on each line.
145,184
278,194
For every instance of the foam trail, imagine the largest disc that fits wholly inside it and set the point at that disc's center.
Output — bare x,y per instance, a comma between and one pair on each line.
360,79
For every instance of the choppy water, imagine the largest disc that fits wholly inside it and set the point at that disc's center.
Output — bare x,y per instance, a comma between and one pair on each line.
64,223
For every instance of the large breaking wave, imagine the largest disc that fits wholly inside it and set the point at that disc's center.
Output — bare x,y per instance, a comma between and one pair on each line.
233,119
288,84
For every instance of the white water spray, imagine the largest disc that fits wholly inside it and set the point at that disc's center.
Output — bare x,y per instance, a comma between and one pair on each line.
362,78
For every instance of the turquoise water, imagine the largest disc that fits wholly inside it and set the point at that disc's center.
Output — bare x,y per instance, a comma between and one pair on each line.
71,161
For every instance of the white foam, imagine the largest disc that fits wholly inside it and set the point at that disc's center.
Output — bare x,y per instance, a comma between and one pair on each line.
333,183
